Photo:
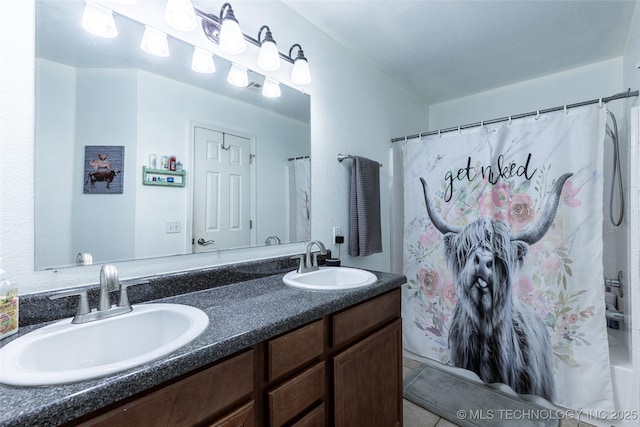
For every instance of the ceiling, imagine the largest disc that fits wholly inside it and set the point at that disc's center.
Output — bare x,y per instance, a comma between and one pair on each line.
444,49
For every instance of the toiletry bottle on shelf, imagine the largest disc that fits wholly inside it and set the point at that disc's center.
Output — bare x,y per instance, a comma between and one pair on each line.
8,306
172,163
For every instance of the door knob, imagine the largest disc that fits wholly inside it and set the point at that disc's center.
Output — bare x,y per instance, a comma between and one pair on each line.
203,242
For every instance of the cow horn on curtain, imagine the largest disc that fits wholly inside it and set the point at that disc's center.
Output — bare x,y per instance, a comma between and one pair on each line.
503,250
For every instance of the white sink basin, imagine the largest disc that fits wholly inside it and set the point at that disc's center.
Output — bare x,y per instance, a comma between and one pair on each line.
63,352
330,279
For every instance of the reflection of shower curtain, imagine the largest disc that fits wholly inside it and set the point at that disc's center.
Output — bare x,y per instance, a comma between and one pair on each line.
506,172
299,200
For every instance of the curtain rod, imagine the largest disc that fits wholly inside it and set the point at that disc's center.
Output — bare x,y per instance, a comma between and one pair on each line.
627,94
290,159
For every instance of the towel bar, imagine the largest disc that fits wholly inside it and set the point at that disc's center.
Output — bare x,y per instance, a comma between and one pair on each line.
341,157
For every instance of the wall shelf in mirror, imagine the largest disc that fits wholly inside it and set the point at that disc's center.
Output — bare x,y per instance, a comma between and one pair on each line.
163,177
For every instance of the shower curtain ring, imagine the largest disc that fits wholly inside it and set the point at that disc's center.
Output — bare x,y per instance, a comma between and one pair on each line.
537,114
439,133
509,123
600,104
565,110
459,131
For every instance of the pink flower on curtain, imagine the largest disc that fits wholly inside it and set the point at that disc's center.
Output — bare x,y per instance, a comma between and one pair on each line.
448,293
550,265
520,211
430,237
524,287
486,205
500,194
569,194
429,282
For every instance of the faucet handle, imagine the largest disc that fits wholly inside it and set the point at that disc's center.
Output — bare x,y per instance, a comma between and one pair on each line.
83,305
123,300
301,264
315,259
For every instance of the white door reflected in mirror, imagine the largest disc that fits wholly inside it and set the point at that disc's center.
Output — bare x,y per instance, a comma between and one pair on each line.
222,190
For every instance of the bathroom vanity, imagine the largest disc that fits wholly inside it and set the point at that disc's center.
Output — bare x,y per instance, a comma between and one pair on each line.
272,355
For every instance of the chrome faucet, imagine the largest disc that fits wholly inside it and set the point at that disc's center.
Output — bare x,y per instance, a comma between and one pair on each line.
307,262
108,282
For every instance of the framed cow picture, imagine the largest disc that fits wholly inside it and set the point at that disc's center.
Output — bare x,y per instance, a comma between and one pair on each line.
103,169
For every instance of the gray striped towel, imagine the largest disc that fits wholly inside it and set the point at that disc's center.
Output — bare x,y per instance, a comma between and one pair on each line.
365,234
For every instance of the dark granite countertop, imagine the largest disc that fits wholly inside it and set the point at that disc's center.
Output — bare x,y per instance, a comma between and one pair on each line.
240,315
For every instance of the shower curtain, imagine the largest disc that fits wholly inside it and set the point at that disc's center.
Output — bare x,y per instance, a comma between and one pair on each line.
484,291
299,200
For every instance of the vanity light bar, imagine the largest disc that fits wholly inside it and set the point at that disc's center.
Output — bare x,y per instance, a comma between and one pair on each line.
211,26
177,14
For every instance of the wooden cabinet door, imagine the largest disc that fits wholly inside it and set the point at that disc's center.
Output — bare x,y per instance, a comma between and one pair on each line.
368,380
241,417
189,401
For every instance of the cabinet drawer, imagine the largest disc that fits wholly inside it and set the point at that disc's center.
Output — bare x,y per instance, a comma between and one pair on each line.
188,401
314,418
294,396
241,417
292,350
352,322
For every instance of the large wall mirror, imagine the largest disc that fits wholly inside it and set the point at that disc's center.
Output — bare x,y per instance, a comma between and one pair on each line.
104,107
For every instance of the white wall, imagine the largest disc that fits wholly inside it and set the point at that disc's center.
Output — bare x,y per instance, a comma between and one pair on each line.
354,109
103,224
167,110
55,127
576,85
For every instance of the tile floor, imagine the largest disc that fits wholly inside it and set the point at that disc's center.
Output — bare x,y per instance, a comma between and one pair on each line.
416,416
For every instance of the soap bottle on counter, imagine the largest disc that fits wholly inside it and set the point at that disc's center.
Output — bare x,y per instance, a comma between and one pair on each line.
8,306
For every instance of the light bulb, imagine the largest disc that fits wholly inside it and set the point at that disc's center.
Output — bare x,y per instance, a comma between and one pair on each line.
271,88
180,15
154,42
202,61
300,74
99,21
238,76
231,37
269,57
